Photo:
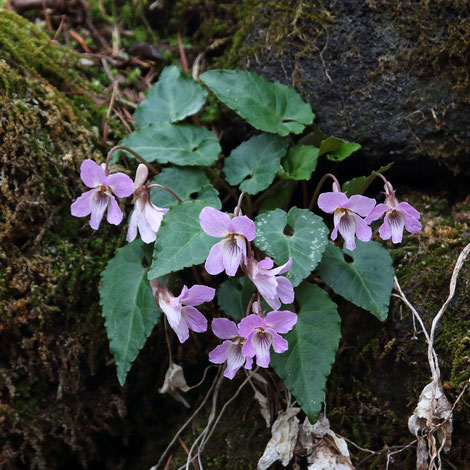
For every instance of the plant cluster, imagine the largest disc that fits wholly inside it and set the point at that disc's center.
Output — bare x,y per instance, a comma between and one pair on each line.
276,301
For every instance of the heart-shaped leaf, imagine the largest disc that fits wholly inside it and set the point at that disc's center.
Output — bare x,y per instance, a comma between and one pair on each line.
181,242
305,366
180,144
258,159
270,107
300,162
366,282
187,184
174,97
129,307
305,244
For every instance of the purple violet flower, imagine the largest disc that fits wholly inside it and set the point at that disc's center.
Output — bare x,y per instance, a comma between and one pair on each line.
231,349
346,216
261,333
273,287
180,311
398,216
228,253
100,198
146,216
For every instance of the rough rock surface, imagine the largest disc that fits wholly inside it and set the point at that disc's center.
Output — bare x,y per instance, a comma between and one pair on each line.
393,76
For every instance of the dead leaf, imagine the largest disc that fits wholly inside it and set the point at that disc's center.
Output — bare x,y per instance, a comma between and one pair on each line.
175,381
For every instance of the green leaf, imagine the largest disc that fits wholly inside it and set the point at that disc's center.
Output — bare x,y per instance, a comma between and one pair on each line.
129,307
187,183
174,97
300,162
360,184
258,158
305,244
180,144
181,242
337,149
305,366
270,107
233,296
366,282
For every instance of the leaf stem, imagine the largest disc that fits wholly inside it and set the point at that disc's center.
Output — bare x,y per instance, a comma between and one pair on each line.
318,188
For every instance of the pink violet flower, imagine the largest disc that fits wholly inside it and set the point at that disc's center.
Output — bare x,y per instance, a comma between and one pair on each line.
273,287
231,349
261,333
100,197
348,216
180,311
398,216
146,217
228,253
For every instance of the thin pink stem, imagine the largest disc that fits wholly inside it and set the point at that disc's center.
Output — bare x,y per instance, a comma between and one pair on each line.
155,185
136,155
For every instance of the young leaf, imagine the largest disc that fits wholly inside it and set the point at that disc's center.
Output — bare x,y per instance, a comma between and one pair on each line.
300,162
187,183
174,97
305,366
366,282
129,307
270,107
258,158
360,184
305,244
233,296
181,242
180,144
338,149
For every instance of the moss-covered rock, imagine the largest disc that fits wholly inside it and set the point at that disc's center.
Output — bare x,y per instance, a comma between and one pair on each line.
54,407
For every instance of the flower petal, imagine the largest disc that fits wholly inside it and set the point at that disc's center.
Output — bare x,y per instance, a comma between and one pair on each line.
247,349
412,225
329,202
363,231
262,345
115,214
171,307
99,203
224,328
219,354
281,269
141,175
81,207
132,229
281,321
244,226
121,185
377,212
215,223
248,363
384,230
285,291
92,174
195,320
214,263
197,295
266,263
248,323
362,205
181,329
280,344
235,359
231,256
347,229
396,221
147,233
408,209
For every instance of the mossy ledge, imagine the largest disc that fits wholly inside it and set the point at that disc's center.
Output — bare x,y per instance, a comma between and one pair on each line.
53,406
